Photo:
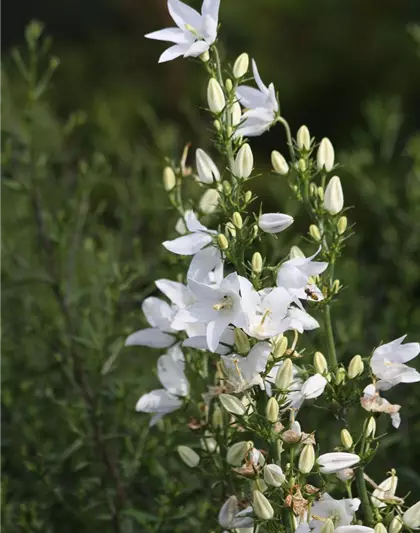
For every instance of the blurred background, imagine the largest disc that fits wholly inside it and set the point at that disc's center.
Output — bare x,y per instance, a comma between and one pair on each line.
84,213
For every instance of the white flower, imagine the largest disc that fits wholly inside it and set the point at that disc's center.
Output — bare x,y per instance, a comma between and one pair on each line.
388,360
312,388
199,342
325,155
411,517
274,222
341,512
354,529
333,196
194,34
384,491
244,372
209,200
261,104
206,266
190,244
171,374
207,170
372,401
333,462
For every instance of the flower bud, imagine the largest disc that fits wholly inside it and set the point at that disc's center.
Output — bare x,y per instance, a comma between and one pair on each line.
208,443
205,56
284,375
227,187
411,517
232,404
228,85
208,202
274,222
169,179
345,475
395,526
248,196
189,456
328,526
207,170
255,230
244,162
296,252
342,225
340,376
237,220
335,286
262,507
237,452
314,232
241,65
279,163
303,138
385,491
217,125
346,439
280,348
273,475
380,528
230,229
306,459
236,113
217,418
370,428
356,367
222,242
313,189
228,512
325,155
257,263
272,410
215,96
330,463
241,342
302,165
320,363
334,198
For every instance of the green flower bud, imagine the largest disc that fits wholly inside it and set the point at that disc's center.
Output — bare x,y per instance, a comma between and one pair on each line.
356,367
314,232
240,68
272,410
189,456
320,363
302,165
230,229
342,225
280,348
340,376
328,526
257,263
248,196
215,96
279,163
228,85
169,179
222,242
284,375
237,220
370,428
241,342
346,439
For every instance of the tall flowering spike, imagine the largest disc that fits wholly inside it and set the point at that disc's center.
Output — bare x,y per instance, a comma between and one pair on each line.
244,162
325,155
333,197
195,32
207,170
215,96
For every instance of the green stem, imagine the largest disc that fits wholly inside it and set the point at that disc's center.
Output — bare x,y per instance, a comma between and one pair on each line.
332,357
364,497
289,137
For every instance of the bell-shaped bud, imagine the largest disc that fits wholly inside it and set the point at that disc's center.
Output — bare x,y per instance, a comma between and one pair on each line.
230,229
241,342
217,125
244,162
228,512
330,463
314,232
333,197
325,155
328,526
356,367
340,376
169,179
273,475
189,456
207,170
342,225
370,428
232,404
257,263
262,507
306,459
380,528
235,113
279,163
215,96
209,200
320,363
274,222
280,347
237,220
222,242
241,65
303,138
272,410
284,375
237,452
396,525
411,517
346,439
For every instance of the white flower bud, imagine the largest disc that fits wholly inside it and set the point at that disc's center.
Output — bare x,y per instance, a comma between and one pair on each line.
262,507
411,517
240,68
303,138
345,475
236,113
342,225
272,410
330,463
325,155
314,232
395,526
296,252
208,202
230,229
222,242
320,363
370,428
169,179
180,226
279,163
328,526
333,197
232,404
274,222
215,96
280,348
257,263
380,528
356,367
241,342
284,375
273,475
208,443
189,456
228,85
207,170
346,439
306,459
237,452
244,162
228,512
237,220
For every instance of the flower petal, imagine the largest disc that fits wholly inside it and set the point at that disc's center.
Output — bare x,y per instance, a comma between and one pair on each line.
151,337
172,376
158,401
188,244
173,52
173,35
184,14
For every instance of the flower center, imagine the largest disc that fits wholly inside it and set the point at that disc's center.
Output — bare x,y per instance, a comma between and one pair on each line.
226,303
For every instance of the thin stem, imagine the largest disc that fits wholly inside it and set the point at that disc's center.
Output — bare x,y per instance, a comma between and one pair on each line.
364,497
289,137
332,356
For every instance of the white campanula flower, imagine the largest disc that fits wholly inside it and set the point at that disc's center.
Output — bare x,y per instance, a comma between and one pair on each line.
261,107
330,463
373,402
411,517
171,374
384,491
244,372
341,512
231,517
195,32
388,360
190,244
354,529
312,388
274,222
